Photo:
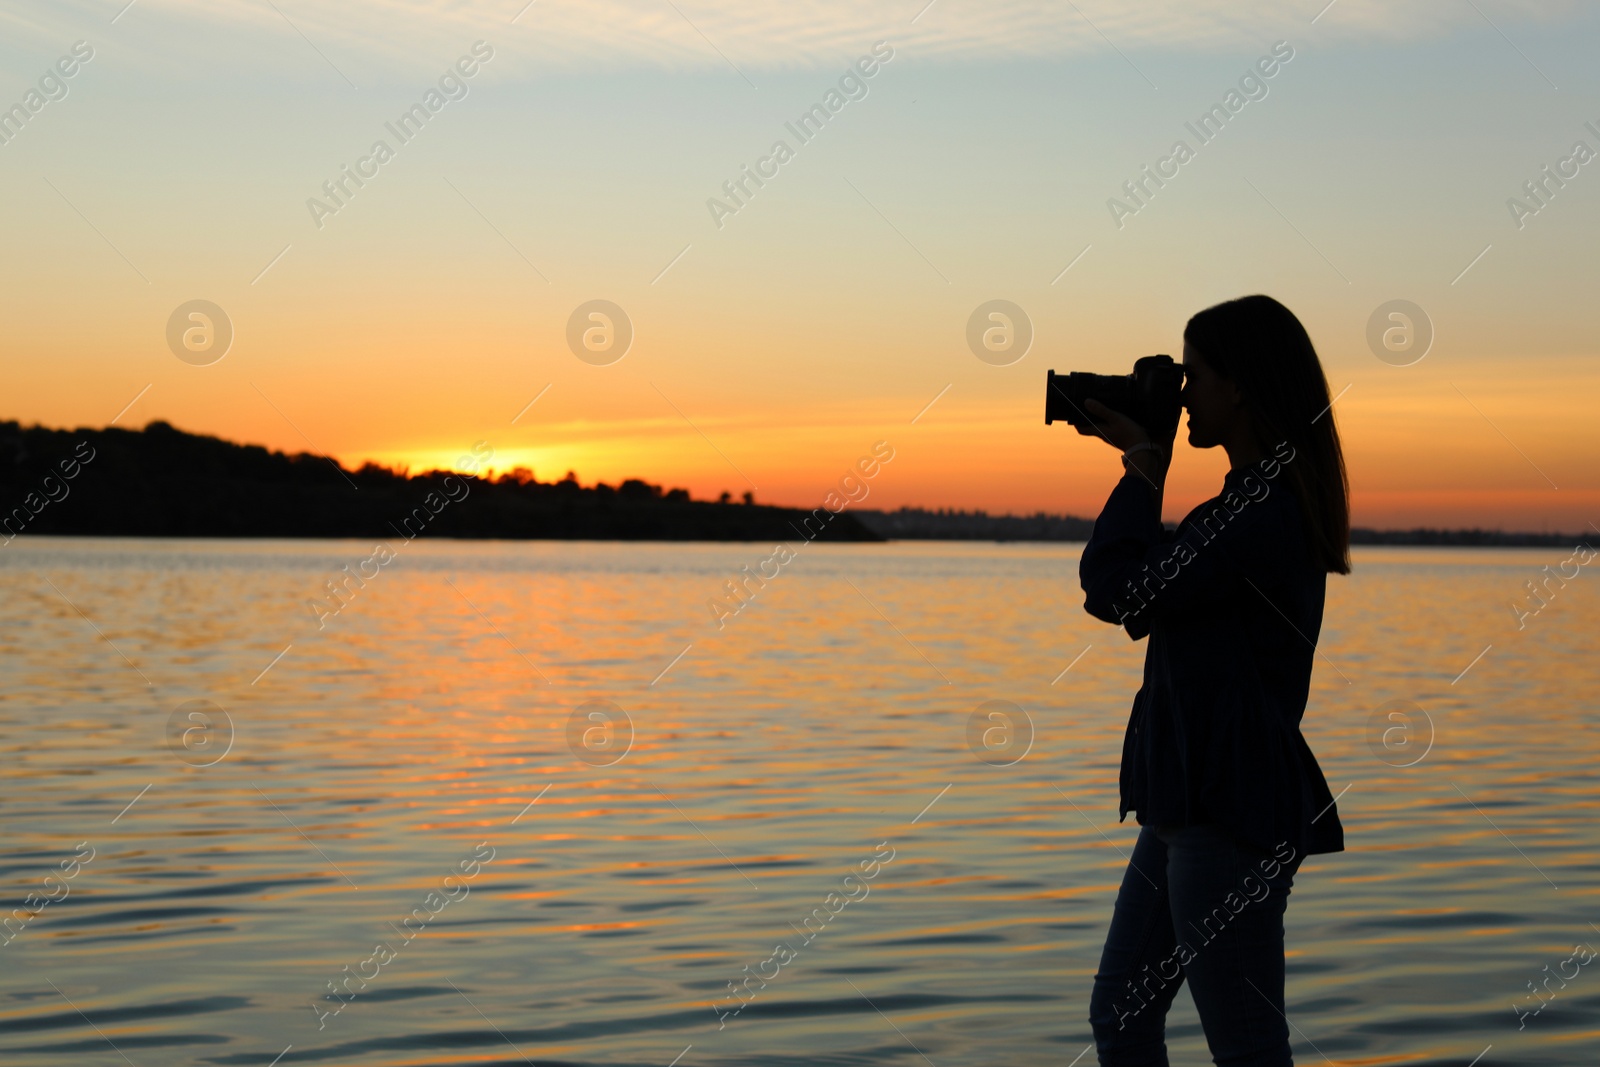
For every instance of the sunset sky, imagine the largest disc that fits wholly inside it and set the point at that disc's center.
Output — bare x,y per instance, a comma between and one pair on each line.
773,345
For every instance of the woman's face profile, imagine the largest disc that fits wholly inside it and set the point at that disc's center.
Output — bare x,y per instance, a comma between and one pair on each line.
1211,400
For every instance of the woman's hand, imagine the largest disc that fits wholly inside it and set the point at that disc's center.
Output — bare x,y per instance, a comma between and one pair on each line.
1113,427
1122,433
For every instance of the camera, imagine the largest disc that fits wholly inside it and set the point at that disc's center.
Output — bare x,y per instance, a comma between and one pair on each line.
1150,396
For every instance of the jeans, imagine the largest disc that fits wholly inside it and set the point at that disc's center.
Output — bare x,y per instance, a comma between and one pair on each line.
1195,905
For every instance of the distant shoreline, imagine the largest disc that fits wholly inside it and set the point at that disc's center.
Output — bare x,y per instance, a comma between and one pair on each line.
1365,539
163,482
920,524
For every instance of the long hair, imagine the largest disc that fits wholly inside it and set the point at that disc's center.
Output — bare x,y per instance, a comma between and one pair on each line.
1257,344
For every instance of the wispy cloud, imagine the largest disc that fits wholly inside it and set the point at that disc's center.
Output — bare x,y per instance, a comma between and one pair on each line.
589,33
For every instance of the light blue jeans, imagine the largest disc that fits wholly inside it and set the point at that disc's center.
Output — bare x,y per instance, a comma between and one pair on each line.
1195,905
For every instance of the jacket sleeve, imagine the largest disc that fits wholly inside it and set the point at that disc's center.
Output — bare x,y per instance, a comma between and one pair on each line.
1132,571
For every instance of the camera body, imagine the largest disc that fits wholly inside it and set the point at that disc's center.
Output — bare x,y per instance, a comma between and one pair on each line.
1150,396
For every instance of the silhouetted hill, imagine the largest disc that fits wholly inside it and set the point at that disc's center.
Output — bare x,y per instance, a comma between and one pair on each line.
163,482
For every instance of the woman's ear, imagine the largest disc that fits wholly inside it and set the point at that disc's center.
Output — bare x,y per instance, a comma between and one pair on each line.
1235,397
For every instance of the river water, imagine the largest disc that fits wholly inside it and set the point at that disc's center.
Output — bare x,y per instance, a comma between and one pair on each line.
526,802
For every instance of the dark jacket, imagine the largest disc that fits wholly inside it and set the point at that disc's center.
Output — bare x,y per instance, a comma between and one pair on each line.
1232,604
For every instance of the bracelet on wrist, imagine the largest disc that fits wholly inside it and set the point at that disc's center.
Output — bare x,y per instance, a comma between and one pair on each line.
1142,446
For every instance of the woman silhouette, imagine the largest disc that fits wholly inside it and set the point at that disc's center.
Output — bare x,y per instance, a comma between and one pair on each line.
1227,794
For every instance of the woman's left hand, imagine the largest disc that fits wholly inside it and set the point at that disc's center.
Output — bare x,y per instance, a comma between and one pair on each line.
1122,433
1113,427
